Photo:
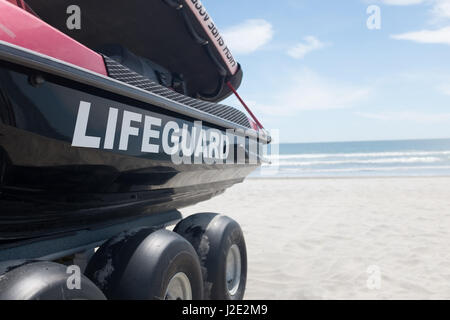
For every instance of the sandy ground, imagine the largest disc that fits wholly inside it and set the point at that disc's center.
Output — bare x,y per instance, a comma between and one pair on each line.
380,238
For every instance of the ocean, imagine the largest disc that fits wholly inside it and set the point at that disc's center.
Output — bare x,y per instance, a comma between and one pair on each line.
365,158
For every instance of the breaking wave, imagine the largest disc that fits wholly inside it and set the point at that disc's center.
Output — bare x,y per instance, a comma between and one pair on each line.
403,158
359,161
360,155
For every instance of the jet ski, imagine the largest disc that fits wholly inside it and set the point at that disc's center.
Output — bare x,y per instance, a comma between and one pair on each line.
110,111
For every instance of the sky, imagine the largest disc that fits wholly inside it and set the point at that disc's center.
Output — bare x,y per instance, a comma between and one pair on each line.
315,70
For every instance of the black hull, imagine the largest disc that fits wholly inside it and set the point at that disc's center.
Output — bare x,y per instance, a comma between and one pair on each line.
49,186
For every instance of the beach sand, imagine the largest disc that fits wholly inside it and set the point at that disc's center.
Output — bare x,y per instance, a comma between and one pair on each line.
352,238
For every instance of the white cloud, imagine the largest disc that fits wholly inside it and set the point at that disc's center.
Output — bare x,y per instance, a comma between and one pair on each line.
402,2
440,12
441,36
309,91
441,9
310,44
445,89
413,116
248,36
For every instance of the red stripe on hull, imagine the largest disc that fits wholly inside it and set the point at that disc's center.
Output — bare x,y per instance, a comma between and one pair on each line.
21,28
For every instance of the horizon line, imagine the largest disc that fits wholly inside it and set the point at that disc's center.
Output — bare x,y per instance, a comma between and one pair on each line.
375,140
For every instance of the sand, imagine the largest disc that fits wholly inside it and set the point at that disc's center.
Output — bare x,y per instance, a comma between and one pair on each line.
353,238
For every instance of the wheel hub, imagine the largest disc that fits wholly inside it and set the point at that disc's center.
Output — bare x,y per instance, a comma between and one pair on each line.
233,269
179,288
